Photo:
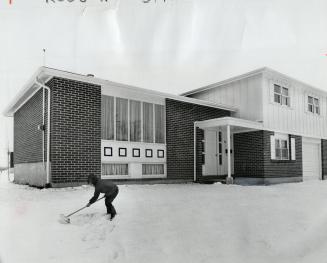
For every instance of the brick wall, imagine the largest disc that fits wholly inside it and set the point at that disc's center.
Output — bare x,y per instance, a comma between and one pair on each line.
27,137
249,154
324,158
253,157
75,131
180,118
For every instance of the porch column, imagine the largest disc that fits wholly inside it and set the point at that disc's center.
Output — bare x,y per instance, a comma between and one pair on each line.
229,179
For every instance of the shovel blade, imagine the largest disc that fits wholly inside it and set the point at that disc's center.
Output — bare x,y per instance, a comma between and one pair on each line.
64,219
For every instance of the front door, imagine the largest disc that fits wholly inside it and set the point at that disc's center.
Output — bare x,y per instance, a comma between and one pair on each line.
215,152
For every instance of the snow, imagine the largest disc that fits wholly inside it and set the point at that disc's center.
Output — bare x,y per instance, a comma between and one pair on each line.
166,223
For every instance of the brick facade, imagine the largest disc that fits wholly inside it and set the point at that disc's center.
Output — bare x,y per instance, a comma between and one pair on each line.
324,159
27,137
180,118
75,131
253,158
249,154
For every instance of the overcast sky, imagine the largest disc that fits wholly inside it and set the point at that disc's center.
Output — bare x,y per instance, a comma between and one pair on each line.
173,46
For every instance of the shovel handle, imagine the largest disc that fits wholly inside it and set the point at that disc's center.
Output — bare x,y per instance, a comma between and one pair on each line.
84,207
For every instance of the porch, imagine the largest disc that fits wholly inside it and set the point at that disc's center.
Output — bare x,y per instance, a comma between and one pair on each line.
213,147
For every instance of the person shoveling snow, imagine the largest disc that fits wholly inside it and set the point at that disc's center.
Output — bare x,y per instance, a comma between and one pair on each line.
110,191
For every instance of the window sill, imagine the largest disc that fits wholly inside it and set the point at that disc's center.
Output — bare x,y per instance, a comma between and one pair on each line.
314,114
281,106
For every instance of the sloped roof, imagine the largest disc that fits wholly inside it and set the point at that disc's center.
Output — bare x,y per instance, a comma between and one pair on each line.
43,74
247,75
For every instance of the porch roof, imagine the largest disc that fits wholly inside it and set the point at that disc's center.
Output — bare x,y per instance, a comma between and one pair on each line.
235,123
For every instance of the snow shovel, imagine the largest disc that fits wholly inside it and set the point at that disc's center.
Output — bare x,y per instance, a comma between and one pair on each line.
66,220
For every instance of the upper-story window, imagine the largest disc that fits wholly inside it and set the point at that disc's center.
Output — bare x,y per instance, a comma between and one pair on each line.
281,95
313,105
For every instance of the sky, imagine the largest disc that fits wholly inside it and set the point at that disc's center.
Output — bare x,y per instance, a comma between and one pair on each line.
172,46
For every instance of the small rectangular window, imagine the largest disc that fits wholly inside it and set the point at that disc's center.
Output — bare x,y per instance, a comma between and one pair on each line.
277,89
220,159
153,169
114,169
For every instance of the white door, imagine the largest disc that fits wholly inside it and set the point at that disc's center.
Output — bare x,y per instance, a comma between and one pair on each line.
311,161
215,150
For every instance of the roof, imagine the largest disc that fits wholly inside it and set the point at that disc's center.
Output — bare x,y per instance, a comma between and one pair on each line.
247,75
43,74
224,121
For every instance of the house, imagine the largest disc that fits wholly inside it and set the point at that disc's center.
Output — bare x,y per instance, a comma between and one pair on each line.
260,127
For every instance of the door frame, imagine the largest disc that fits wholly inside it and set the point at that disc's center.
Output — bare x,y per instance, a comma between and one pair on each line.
221,165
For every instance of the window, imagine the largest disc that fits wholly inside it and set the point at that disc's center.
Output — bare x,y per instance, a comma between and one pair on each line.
130,120
159,112
151,169
122,152
121,119
136,152
107,151
281,149
281,95
313,105
147,122
114,169
135,120
148,153
107,118
161,154
220,149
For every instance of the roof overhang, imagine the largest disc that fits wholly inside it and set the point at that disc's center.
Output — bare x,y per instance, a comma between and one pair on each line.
44,74
258,71
237,125
28,90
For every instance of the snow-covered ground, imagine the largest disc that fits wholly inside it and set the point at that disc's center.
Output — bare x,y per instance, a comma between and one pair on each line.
166,223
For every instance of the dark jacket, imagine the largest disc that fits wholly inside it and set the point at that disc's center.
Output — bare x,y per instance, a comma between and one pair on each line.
102,186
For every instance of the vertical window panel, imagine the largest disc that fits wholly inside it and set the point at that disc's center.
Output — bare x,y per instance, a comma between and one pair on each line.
147,122
135,120
107,118
121,119
159,111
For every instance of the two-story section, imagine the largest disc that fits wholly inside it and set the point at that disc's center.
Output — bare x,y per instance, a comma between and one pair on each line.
277,135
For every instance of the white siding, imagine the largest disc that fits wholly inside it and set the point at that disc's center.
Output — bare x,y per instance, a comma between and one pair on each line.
294,119
244,94
127,93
